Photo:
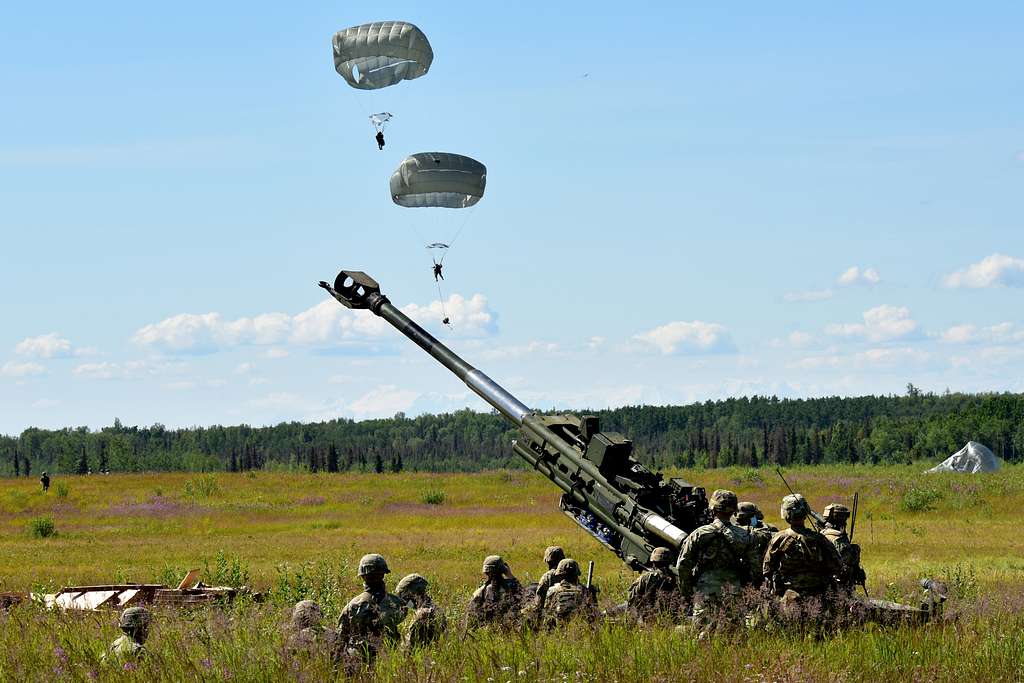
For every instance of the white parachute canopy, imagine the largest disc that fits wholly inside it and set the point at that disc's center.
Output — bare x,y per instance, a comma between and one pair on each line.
972,458
381,54
380,120
438,180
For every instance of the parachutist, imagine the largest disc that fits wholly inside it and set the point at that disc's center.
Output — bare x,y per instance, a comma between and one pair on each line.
380,139
437,271
446,321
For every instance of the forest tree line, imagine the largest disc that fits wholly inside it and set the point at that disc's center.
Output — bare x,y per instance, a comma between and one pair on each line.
738,431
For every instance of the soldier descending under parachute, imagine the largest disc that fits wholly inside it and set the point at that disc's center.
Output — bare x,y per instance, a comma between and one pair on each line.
379,55
439,180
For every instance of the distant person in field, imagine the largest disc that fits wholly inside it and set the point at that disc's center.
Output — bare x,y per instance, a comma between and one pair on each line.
380,139
45,481
134,622
428,622
498,600
370,620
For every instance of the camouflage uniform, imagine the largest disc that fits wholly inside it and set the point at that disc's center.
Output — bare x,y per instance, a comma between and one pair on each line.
800,562
428,622
307,629
567,597
372,617
656,591
835,531
499,599
748,517
552,556
134,621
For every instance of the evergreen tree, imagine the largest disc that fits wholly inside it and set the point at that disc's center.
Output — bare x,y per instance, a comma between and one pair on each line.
332,459
378,464
83,463
233,463
104,464
17,463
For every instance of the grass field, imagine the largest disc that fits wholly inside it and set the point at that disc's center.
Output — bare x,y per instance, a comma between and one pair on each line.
299,535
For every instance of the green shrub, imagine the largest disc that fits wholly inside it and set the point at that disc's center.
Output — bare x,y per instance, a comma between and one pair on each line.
435,497
204,486
919,499
61,489
42,527
225,571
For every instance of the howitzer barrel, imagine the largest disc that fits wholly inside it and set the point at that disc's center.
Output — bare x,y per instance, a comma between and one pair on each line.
355,289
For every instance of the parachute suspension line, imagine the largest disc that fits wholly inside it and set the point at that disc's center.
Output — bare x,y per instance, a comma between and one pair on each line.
445,320
451,243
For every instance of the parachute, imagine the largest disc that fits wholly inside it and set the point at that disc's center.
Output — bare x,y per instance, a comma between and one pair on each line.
381,54
379,120
438,180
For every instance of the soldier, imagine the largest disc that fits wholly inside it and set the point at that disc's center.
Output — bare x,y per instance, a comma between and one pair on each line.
552,556
716,558
749,516
853,574
371,618
45,481
428,621
656,591
306,628
567,597
498,598
800,563
134,622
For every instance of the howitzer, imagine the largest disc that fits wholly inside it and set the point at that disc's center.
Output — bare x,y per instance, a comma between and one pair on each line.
625,506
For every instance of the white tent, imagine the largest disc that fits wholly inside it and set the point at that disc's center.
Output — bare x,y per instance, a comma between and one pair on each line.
972,458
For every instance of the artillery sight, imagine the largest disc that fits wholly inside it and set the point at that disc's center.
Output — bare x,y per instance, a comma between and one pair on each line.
609,493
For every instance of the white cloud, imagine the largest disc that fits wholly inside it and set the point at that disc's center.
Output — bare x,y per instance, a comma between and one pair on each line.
325,324
1001,333
14,369
530,349
799,339
816,295
891,357
50,345
997,270
244,368
383,401
854,275
688,337
817,362
881,323
276,353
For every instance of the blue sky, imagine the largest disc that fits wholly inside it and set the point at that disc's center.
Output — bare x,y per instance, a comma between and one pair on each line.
684,201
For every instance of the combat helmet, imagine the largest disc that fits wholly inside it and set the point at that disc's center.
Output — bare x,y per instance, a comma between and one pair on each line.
135,619
373,564
413,584
723,500
746,512
662,555
306,614
837,513
493,564
568,569
553,555
794,506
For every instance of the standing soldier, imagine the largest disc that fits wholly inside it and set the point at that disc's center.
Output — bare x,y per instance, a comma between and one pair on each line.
800,563
749,516
567,597
715,558
498,598
134,622
371,618
656,591
428,621
45,481
853,574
